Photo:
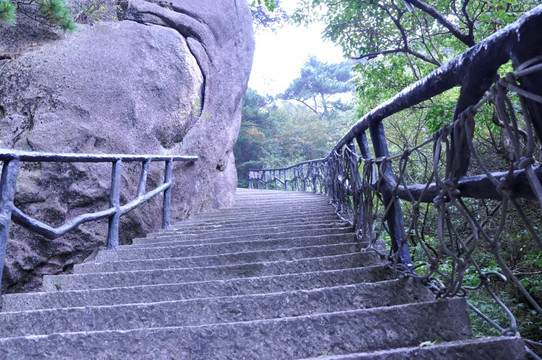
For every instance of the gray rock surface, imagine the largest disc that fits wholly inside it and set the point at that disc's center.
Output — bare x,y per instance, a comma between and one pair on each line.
166,79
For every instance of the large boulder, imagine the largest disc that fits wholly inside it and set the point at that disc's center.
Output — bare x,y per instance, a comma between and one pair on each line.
168,78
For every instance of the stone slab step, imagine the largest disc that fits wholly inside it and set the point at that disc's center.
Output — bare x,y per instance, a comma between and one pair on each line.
497,348
202,311
250,227
242,233
174,248
285,338
288,254
173,240
373,279
165,276
224,243
278,217
203,223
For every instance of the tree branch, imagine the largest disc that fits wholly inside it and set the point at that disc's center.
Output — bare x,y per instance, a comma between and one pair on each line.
467,39
395,51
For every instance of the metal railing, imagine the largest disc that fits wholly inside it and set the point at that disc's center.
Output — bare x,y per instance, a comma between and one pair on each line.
438,202
9,212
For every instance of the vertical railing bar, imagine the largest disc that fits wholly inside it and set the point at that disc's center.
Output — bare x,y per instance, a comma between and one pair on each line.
143,179
166,211
8,182
395,216
114,201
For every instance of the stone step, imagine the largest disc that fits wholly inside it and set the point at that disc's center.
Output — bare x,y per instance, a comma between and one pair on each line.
284,338
242,233
251,227
182,249
204,223
289,254
497,348
165,276
373,278
216,237
275,216
223,243
202,311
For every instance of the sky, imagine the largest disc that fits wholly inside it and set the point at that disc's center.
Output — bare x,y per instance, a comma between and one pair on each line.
280,55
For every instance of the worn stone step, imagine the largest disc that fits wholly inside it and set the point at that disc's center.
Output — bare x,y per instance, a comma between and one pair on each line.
222,245
203,311
497,348
165,276
372,277
240,238
242,233
278,216
252,227
203,223
290,207
285,338
288,254
174,248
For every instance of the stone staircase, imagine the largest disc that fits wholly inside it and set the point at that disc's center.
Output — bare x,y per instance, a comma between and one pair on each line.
277,277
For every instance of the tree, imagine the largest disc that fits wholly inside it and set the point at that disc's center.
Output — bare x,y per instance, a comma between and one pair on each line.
256,127
54,12
318,86
267,14
421,33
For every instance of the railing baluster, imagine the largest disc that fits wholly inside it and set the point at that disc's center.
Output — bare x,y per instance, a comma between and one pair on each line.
114,201
166,211
143,179
8,182
395,215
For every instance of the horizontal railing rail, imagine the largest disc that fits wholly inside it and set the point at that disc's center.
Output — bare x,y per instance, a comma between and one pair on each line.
438,203
9,212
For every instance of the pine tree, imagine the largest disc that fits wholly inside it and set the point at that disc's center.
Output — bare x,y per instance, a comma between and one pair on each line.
55,12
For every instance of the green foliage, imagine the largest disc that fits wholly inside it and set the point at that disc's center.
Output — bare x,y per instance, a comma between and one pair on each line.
276,133
319,85
8,12
90,11
54,12
267,14
396,47
269,4
57,13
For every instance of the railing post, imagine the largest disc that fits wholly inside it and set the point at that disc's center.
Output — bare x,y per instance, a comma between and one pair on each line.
166,211
304,177
143,179
264,180
395,215
285,180
361,139
275,179
114,201
296,175
8,182
355,183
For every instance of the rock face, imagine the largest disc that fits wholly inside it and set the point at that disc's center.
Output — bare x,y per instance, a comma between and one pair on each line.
168,78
